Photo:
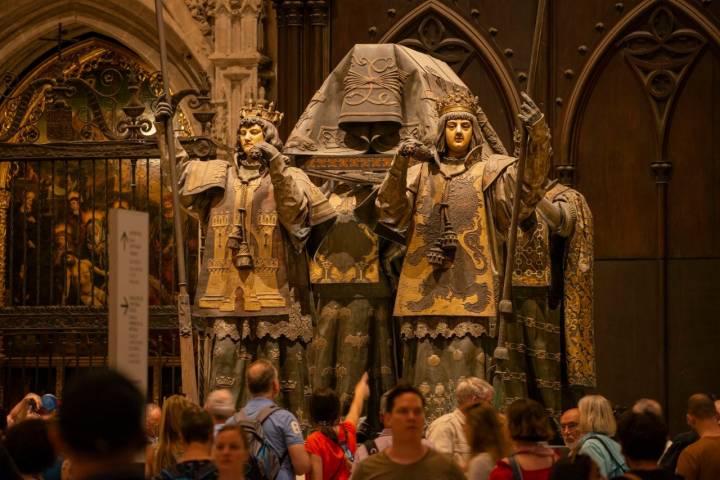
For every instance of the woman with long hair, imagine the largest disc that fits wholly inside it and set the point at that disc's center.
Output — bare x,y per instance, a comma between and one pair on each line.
332,444
169,448
230,452
485,433
531,457
597,424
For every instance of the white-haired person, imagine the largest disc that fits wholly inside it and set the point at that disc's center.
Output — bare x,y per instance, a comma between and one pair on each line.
220,406
597,425
447,433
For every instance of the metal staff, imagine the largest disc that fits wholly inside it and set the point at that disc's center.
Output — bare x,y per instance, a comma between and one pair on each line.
164,119
506,307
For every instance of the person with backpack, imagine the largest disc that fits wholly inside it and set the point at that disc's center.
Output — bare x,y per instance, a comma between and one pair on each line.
195,463
597,424
275,442
332,443
383,440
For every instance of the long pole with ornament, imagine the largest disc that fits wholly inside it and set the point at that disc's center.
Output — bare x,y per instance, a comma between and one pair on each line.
501,353
164,121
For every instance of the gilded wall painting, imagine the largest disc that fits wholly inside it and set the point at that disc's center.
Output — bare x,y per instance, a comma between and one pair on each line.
56,240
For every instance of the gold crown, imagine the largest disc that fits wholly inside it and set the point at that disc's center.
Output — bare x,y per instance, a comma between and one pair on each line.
257,110
458,100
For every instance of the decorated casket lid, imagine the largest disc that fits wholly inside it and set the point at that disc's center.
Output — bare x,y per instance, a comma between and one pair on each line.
376,96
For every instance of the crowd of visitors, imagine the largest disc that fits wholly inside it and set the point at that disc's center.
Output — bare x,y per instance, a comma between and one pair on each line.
103,430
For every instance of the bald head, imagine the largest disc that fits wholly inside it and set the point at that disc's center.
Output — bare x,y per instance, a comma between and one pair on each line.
152,419
701,406
261,378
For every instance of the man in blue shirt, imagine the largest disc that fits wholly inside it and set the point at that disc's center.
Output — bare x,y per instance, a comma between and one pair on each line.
282,429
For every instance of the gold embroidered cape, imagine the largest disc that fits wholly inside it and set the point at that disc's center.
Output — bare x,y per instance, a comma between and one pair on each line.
578,290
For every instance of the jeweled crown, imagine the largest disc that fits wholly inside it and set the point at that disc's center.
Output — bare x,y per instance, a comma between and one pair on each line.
252,109
458,100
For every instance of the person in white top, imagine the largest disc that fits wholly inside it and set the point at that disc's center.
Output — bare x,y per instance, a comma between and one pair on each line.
447,433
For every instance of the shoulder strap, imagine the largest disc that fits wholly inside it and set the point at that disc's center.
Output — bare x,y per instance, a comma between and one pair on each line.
607,449
515,467
371,446
240,416
344,444
263,415
266,412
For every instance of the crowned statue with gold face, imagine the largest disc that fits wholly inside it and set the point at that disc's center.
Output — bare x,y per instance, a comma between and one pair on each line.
253,287
453,206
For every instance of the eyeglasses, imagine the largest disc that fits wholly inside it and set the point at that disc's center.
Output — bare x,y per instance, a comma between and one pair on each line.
569,426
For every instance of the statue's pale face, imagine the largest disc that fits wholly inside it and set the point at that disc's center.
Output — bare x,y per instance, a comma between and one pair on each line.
457,136
250,136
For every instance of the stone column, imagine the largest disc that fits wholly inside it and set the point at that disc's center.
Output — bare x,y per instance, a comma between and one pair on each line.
235,60
291,50
319,67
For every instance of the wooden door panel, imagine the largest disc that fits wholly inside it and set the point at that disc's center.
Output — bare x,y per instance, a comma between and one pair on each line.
694,333
615,147
694,150
627,334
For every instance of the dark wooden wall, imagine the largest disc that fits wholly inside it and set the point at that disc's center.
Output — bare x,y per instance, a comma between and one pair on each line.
632,92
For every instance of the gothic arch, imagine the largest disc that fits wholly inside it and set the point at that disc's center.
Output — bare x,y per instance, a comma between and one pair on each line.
594,67
131,25
492,61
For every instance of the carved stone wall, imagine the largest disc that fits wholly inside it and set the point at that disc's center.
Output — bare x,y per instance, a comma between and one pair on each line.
223,38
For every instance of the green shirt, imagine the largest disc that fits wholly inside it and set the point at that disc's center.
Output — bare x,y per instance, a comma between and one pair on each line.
432,466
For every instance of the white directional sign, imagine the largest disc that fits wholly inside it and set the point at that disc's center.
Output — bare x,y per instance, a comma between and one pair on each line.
128,303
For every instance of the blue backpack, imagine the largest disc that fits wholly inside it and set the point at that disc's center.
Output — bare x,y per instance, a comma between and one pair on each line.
264,463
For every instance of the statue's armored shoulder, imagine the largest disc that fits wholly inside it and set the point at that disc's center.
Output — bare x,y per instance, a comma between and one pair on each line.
495,165
199,176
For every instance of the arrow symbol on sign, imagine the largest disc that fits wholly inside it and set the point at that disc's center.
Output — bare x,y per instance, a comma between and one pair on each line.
124,240
125,305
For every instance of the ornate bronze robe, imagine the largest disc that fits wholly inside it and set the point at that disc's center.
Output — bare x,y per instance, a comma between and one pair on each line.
354,328
448,314
265,310
552,296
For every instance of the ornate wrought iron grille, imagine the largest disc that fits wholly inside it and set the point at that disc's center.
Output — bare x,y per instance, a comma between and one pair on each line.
76,139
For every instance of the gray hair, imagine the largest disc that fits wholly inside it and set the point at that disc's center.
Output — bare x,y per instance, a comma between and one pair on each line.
471,388
220,404
648,405
596,415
